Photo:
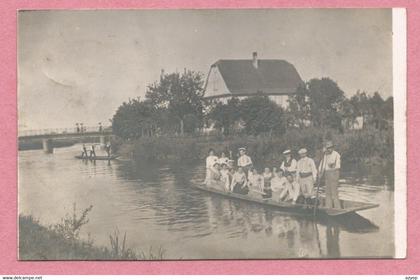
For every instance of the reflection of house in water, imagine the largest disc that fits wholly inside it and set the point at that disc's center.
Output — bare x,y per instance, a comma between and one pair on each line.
243,78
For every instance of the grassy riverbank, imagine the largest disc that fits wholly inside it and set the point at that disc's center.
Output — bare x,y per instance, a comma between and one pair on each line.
365,153
61,242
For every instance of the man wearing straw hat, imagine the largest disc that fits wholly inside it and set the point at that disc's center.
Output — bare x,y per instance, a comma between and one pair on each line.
330,167
289,164
244,161
306,173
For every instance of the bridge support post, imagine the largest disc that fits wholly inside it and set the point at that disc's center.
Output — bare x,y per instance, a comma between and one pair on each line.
47,146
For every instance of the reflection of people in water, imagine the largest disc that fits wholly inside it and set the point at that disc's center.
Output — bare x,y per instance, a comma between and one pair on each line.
333,244
307,245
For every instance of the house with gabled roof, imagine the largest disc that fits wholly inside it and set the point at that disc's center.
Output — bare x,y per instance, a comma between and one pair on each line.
243,78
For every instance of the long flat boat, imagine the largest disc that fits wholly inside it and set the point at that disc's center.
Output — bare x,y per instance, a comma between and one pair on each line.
348,206
97,157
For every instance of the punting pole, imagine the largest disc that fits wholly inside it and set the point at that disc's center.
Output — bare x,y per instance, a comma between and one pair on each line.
318,183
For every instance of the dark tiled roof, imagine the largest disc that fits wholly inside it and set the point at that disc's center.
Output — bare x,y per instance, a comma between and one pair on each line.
272,76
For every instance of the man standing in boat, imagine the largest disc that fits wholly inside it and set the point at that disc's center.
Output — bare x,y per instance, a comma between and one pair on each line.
92,152
289,164
306,173
330,167
244,161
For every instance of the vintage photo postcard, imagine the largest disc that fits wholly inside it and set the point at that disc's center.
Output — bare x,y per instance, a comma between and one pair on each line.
211,134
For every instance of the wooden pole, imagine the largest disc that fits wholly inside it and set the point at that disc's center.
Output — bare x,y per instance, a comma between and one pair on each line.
317,185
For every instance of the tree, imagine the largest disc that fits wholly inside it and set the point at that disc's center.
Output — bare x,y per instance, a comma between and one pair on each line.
262,115
325,100
135,118
225,115
298,112
317,103
181,95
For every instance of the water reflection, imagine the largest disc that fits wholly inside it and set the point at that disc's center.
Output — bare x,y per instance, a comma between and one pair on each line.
157,205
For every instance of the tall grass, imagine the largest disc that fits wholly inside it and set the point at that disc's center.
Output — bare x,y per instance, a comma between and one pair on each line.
61,241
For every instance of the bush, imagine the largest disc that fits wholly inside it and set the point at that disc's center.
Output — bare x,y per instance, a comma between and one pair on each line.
363,153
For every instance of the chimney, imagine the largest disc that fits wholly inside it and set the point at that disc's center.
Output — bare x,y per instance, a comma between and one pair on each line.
162,74
255,60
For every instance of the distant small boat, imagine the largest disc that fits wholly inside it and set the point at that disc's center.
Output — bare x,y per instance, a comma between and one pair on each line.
348,205
98,157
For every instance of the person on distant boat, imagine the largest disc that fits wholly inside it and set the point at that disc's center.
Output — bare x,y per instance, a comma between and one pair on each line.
223,159
255,182
239,182
92,152
306,174
84,151
289,164
330,167
108,149
226,176
267,176
244,161
291,190
278,183
210,161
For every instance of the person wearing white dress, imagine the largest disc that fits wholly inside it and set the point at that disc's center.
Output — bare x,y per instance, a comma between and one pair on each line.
255,183
211,160
278,183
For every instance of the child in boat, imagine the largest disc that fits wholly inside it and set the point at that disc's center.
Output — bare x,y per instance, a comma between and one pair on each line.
239,182
278,183
255,182
210,161
225,177
291,191
267,176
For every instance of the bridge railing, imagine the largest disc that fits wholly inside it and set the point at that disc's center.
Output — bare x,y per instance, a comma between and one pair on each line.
63,131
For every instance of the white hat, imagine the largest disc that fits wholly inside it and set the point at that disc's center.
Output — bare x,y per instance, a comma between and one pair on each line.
286,152
329,144
242,149
302,151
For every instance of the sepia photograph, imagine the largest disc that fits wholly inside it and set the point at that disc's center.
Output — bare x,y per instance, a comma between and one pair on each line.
209,134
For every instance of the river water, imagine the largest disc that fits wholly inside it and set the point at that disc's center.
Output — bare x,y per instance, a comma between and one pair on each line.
157,206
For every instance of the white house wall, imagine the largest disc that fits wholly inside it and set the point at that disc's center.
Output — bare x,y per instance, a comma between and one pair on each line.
215,84
280,100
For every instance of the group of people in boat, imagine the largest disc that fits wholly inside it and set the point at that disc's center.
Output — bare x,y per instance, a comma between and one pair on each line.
294,181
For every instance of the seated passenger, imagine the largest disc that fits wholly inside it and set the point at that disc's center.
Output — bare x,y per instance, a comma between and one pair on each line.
223,159
215,174
267,176
278,183
239,182
255,182
291,191
226,176
215,180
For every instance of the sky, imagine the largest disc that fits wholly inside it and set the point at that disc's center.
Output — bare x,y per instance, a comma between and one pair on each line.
79,66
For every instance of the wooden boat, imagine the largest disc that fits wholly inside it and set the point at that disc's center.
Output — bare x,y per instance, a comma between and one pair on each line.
348,206
97,157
